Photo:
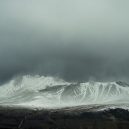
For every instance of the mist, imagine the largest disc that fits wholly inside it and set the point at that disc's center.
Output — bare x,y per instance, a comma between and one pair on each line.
73,39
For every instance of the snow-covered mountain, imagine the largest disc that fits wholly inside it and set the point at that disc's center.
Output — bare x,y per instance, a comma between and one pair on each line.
40,91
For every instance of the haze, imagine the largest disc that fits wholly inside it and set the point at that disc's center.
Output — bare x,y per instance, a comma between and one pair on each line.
73,39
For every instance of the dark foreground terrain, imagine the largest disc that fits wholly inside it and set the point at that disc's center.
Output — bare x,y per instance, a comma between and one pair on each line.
80,117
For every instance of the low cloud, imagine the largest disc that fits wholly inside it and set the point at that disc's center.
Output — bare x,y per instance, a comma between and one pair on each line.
73,39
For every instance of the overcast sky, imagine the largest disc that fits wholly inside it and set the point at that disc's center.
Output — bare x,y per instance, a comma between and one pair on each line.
72,39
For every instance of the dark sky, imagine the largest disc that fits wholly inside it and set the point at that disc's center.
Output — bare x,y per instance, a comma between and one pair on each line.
73,39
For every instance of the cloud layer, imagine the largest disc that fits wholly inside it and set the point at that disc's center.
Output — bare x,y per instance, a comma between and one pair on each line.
72,39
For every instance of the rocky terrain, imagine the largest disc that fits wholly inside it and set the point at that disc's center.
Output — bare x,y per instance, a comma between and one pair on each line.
79,117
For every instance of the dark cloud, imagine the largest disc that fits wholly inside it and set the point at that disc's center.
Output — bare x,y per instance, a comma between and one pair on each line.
75,40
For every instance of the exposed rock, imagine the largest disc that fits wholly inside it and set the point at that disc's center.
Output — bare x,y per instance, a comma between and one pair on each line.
80,117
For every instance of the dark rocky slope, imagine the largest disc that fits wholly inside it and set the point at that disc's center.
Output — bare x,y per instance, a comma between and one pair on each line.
80,117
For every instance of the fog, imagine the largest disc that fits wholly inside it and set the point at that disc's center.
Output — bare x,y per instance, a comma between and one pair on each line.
73,39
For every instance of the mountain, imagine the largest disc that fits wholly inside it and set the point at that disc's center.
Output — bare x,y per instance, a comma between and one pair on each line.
47,92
